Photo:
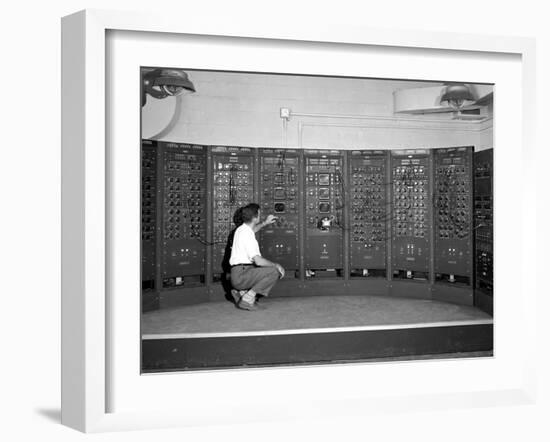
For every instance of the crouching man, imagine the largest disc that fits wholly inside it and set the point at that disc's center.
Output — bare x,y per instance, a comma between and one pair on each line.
251,274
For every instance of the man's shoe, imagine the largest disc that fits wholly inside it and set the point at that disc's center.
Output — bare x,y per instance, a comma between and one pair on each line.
237,295
242,304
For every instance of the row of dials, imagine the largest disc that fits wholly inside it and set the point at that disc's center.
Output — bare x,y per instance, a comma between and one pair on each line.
148,190
279,191
324,199
233,188
184,196
411,200
367,193
324,194
452,200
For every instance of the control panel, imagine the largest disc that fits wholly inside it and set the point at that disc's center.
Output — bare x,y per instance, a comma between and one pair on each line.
367,202
233,187
148,213
453,214
483,220
279,195
411,213
324,215
397,214
184,215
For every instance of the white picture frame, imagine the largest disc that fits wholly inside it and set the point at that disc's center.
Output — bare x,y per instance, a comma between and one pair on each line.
87,319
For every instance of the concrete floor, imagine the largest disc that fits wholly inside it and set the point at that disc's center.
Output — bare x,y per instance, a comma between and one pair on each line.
304,314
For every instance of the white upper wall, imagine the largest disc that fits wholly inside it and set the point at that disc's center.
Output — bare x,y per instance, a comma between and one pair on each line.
242,109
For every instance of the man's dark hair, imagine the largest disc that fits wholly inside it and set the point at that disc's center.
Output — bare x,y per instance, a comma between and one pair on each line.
249,212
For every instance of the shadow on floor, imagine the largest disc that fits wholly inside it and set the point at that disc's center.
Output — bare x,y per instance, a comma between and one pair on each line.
51,414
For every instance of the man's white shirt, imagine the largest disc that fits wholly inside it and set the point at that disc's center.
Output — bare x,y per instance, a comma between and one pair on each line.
245,246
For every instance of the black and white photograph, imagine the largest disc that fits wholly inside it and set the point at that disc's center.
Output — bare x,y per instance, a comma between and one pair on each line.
275,221
300,219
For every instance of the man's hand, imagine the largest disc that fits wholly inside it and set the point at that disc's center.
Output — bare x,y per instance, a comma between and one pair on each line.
280,269
270,220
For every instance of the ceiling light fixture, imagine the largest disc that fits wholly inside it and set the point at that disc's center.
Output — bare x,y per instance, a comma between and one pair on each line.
457,95
161,83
